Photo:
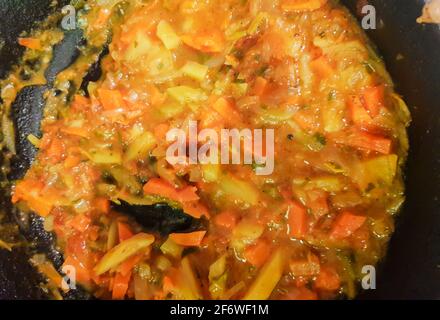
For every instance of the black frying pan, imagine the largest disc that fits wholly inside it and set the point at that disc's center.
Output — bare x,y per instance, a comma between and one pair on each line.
412,267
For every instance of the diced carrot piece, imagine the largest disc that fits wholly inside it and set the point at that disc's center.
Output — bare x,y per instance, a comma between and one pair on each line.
346,223
124,231
305,267
155,96
193,239
328,279
167,284
276,43
102,205
210,41
195,209
103,16
260,86
29,191
374,99
120,286
306,120
187,194
111,99
80,132
25,187
71,161
80,102
56,150
80,222
301,293
160,131
31,43
160,187
93,233
127,266
83,275
211,120
317,202
322,67
302,5
358,114
297,220
257,254
40,205
225,108
364,140
226,219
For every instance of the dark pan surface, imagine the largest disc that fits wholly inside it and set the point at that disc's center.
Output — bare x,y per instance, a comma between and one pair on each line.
411,269
18,279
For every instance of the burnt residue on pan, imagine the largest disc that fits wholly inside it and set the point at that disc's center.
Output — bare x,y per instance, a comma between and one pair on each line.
18,277
26,114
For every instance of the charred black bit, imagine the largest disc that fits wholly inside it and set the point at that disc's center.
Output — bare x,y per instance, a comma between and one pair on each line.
94,72
160,218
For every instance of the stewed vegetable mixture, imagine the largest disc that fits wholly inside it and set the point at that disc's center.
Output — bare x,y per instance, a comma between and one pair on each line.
301,67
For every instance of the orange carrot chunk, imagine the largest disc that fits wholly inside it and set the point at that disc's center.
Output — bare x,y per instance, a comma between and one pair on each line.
29,191
160,187
195,209
120,286
297,220
127,266
374,99
302,5
124,231
193,239
322,67
226,110
111,99
358,114
328,279
346,224
81,222
259,86
102,205
31,43
209,41
257,254
364,140
226,220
